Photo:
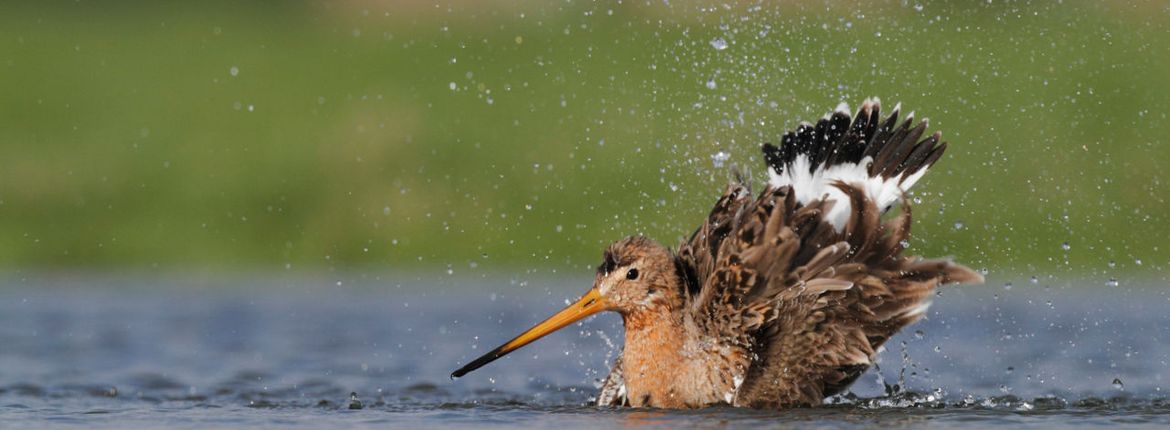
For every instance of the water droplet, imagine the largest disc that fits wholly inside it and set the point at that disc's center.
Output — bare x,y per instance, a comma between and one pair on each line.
1112,264
452,86
711,84
235,71
1137,261
1010,370
719,158
1065,246
1007,286
904,243
1112,283
959,225
918,334
1117,385
718,43
1034,280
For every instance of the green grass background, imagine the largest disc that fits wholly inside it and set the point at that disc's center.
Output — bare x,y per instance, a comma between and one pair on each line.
478,136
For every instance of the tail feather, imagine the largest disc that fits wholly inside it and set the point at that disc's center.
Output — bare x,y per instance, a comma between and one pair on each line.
883,158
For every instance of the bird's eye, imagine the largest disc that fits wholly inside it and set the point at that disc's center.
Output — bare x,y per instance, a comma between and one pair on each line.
632,274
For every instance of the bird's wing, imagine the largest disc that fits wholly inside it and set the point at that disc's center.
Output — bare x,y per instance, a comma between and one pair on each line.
811,290
838,300
745,245
697,256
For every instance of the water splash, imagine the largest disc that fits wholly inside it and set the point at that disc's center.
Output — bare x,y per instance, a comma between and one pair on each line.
719,158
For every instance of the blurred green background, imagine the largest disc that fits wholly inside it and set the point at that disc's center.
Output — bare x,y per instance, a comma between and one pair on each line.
468,137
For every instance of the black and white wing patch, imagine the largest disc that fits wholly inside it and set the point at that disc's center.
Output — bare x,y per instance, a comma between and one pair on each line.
882,157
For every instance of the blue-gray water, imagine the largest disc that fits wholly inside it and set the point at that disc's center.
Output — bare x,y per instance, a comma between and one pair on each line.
94,353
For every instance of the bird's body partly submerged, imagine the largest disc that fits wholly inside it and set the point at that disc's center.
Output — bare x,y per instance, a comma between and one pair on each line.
777,300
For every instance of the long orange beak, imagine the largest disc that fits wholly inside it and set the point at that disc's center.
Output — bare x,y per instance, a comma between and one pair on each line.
592,302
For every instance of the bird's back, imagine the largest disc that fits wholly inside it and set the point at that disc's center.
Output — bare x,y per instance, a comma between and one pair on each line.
808,275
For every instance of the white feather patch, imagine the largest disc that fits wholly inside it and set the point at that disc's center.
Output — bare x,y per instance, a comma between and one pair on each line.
810,186
819,184
919,309
736,381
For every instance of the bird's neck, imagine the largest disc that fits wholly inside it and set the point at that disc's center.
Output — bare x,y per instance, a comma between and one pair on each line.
652,356
666,366
654,327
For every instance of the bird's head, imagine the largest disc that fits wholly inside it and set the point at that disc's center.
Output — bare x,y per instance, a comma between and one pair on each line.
637,276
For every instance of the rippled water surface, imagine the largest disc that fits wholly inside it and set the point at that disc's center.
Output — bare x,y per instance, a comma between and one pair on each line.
90,353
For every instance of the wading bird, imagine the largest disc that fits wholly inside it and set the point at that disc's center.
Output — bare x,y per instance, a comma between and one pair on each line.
777,300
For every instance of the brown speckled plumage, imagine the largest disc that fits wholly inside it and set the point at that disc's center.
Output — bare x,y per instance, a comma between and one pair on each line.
768,304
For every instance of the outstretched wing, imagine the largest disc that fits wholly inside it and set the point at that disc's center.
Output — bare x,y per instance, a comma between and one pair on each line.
745,245
838,301
814,285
